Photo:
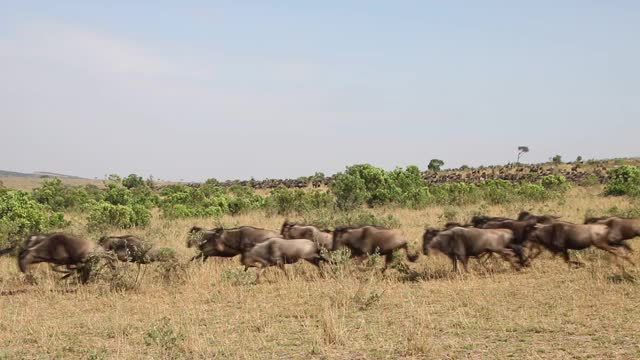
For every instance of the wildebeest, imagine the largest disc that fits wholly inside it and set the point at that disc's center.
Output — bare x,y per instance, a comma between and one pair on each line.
290,230
540,219
558,238
366,240
234,241
59,249
620,228
203,240
128,248
521,231
278,252
459,244
479,220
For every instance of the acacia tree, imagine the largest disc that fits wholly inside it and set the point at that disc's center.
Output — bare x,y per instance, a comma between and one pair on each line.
522,150
435,164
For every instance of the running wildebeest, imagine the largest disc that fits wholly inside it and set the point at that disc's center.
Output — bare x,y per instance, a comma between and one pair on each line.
521,231
234,241
621,228
459,244
278,252
290,230
479,220
558,238
204,241
59,249
366,240
540,219
128,248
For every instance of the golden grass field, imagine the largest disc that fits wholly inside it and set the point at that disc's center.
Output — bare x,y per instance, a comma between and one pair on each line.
214,310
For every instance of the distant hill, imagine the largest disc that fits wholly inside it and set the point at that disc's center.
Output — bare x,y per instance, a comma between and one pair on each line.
36,174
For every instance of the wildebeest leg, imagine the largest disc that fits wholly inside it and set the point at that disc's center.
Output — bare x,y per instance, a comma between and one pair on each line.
387,260
465,260
281,266
199,256
483,258
509,256
517,250
567,259
259,271
454,261
534,251
57,269
617,252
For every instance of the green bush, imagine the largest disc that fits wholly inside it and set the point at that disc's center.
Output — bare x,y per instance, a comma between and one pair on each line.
497,191
555,183
285,201
410,189
21,214
350,191
455,193
329,219
181,201
366,184
623,180
117,195
103,215
133,181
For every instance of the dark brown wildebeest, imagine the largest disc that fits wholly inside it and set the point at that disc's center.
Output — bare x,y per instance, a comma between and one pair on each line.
233,241
479,220
323,238
59,249
128,248
621,228
204,241
540,219
558,238
521,231
278,252
459,244
367,240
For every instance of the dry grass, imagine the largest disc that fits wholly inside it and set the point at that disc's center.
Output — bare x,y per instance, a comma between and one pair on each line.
28,183
215,310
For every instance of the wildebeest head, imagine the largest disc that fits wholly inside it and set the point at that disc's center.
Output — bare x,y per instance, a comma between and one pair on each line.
524,215
194,238
427,237
338,236
286,227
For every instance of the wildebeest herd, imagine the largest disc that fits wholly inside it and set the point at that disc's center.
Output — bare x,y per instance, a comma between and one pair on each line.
518,241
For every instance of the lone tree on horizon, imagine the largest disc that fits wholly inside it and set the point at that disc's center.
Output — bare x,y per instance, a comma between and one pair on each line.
522,150
435,164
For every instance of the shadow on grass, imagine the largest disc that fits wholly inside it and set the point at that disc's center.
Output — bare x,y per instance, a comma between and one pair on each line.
622,278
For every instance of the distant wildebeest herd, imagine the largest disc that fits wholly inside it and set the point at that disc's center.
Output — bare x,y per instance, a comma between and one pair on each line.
514,172
518,241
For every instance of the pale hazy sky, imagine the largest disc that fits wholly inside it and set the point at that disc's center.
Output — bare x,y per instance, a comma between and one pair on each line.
233,89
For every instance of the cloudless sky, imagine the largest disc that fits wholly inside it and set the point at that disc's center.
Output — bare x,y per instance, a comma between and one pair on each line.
233,89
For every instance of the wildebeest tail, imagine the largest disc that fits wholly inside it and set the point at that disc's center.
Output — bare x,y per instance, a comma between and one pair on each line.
7,251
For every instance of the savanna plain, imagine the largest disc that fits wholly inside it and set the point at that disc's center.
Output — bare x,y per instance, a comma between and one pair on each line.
349,311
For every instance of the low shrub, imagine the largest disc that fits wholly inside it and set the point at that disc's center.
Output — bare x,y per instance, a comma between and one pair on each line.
103,215
623,180
21,214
